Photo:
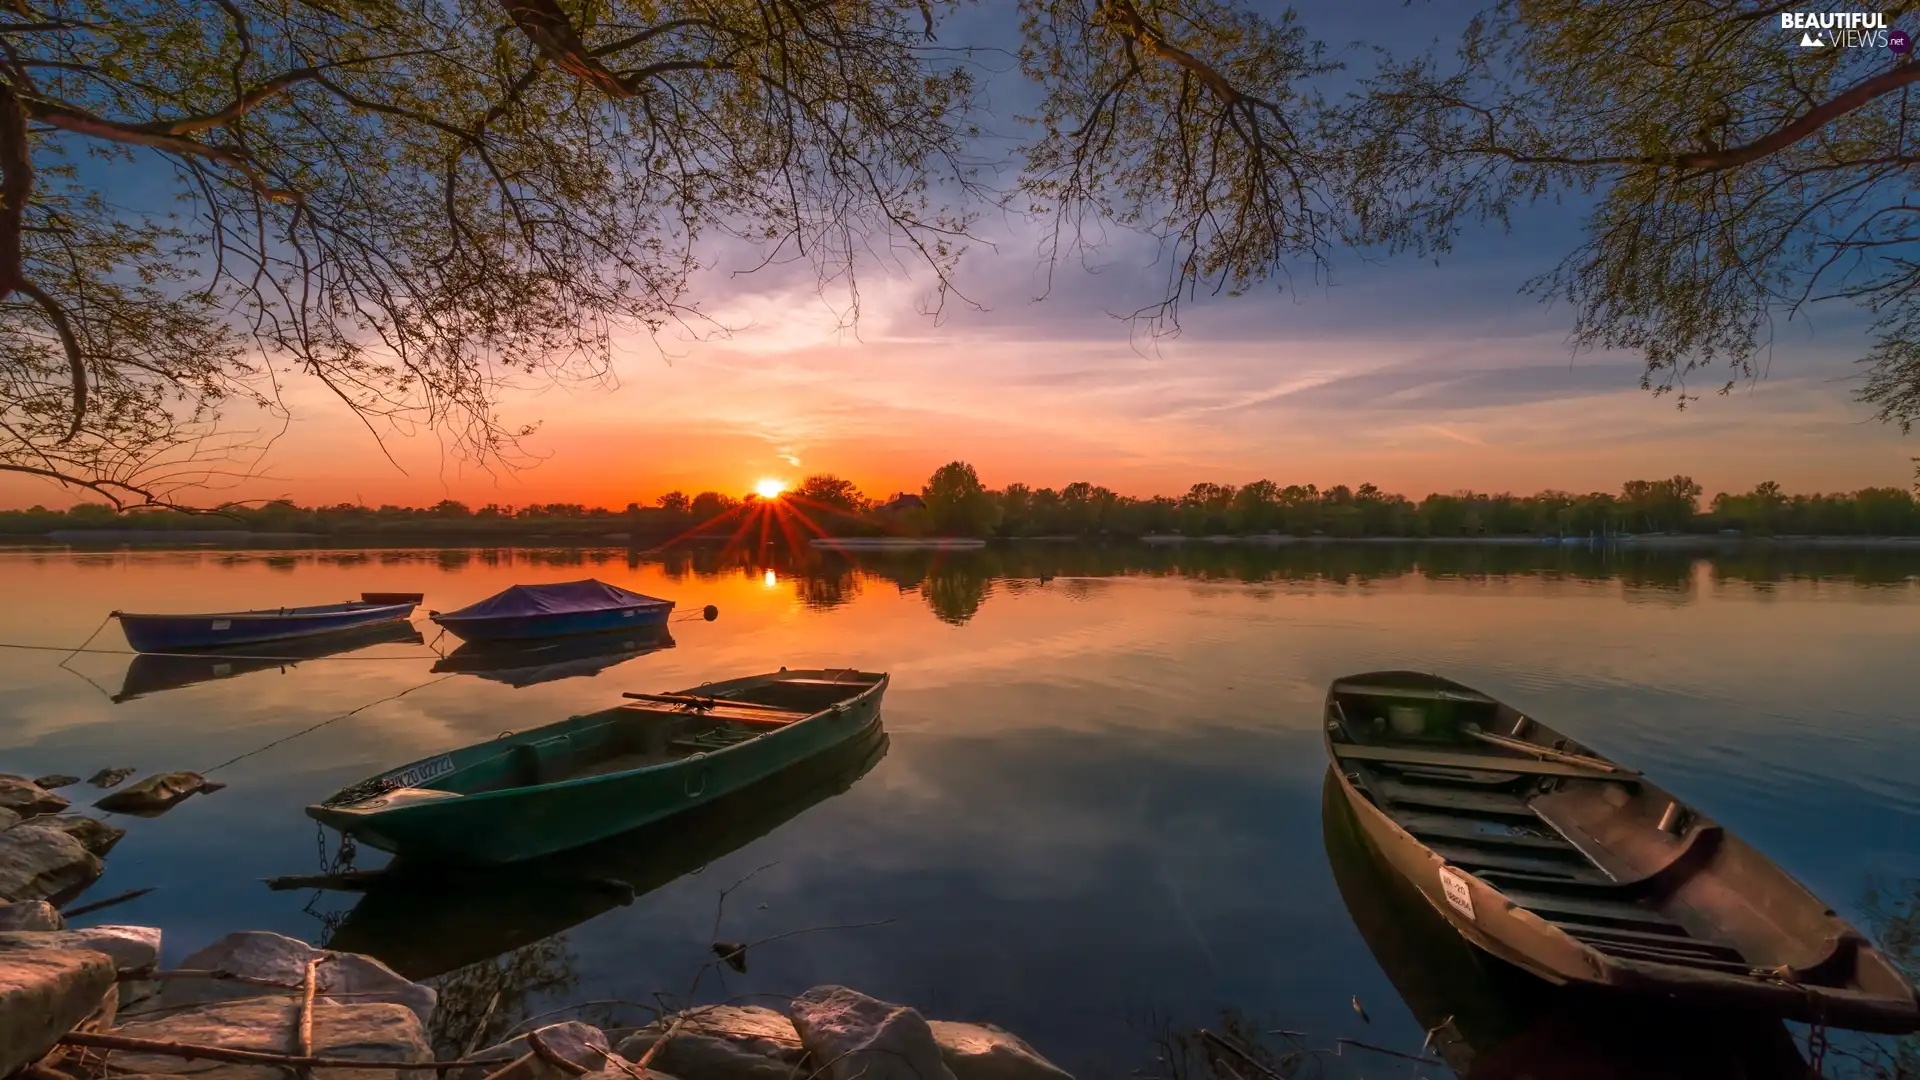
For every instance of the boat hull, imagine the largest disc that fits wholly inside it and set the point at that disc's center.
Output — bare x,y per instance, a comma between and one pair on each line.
172,633
557,624
516,824
1488,919
432,922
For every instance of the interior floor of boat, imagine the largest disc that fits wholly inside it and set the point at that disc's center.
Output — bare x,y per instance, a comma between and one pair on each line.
655,731
1483,821
628,738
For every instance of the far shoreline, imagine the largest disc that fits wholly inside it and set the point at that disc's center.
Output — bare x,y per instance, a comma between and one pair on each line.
83,539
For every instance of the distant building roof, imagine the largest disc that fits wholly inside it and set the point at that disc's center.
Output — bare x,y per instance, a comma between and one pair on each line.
903,501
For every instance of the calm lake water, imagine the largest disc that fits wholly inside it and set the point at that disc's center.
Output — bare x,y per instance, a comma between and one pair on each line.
1099,810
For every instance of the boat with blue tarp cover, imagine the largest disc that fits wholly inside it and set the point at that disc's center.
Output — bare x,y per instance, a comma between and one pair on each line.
219,629
524,612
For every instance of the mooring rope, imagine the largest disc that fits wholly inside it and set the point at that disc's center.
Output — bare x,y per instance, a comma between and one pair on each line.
331,720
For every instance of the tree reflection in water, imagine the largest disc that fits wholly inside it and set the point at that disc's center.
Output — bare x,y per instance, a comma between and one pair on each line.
481,1003
1892,910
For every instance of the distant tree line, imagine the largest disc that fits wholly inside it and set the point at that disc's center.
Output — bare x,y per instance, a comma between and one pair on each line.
954,502
958,504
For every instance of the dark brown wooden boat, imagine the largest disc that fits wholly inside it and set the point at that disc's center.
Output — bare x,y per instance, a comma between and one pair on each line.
1553,858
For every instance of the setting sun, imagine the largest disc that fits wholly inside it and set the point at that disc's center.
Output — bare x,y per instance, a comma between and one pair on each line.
769,489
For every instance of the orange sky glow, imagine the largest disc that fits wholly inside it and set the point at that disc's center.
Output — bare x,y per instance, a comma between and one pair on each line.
1419,380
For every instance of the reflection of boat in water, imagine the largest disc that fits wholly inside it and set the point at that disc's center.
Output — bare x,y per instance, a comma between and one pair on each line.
526,663
423,928
152,673
1492,1021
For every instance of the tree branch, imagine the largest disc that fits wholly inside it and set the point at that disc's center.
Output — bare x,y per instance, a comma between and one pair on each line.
69,343
16,187
81,122
1854,98
548,27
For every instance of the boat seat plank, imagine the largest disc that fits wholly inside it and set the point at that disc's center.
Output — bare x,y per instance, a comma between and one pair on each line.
1420,693
1455,778
1593,935
1402,755
1580,872
1480,831
850,684
1450,798
1560,909
1667,956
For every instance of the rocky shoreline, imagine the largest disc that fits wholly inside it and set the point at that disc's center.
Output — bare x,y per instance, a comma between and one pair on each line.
96,1003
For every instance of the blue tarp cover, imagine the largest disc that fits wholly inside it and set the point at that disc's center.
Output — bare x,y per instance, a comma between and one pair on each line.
560,598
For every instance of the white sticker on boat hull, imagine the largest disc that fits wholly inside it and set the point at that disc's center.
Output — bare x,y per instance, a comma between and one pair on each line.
1455,887
415,775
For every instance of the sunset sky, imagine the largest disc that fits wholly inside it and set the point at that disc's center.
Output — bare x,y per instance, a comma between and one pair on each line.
1408,375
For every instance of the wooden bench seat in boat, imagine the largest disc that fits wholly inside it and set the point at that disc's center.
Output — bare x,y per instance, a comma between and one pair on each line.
1401,755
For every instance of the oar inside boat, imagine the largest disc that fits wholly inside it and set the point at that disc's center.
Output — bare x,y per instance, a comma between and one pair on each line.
1551,856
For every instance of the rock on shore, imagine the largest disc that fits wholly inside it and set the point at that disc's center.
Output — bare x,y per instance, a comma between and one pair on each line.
54,979
835,1032
39,863
376,1031
261,955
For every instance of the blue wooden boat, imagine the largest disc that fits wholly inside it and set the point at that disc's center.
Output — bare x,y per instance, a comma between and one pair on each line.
213,630
525,612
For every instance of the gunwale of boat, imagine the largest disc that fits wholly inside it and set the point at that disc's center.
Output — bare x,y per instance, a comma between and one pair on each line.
307,611
1583,870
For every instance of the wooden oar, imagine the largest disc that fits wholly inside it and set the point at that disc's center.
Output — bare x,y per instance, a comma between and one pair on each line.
1547,752
709,703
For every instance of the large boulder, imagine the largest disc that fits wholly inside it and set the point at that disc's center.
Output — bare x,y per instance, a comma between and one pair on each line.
43,994
581,1046
38,863
111,777
26,798
95,835
55,780
132,948
852,1035
378,1031
159,792
260,954
986,1052
31,915
723,1042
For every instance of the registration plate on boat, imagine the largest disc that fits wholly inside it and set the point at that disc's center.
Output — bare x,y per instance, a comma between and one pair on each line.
415,775
1455,888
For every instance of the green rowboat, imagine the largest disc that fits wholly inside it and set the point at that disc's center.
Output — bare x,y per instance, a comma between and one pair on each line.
589,777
